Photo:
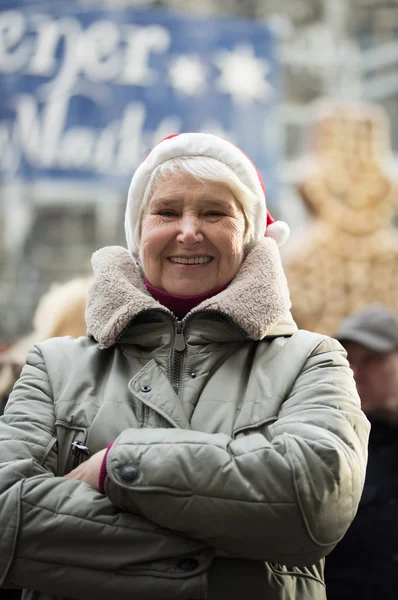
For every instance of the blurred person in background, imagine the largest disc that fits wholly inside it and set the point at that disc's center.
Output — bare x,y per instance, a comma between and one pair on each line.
195,444
364,563
60,312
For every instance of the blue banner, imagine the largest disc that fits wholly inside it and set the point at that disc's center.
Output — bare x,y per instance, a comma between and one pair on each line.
85,93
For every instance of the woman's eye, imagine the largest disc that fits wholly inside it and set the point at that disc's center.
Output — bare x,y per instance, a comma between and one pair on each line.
214,213
166,212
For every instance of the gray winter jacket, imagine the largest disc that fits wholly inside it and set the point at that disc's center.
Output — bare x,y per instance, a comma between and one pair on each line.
236,435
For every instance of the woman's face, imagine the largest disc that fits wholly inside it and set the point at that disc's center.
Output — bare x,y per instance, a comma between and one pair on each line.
191,236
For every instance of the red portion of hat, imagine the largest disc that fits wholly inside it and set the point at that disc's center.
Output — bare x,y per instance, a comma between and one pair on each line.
270,219
168,137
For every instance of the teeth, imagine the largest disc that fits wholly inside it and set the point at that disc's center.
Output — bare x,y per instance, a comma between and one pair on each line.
191,261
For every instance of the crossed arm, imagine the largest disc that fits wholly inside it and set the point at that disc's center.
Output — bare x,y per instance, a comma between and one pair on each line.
286,493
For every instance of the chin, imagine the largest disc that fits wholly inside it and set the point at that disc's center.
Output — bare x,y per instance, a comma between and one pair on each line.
188,287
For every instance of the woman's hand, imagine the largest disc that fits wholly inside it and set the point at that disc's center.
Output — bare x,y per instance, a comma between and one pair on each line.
89,470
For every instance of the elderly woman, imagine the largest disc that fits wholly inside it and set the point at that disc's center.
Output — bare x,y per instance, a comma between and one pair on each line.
228,449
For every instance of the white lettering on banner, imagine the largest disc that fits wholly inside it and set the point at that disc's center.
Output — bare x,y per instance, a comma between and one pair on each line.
99,51
130,148
105,149
7,149
65,60
43,141
102,52
13,52
44,62
140,43
39,140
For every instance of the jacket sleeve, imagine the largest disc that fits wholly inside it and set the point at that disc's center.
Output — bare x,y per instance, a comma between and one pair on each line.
285,495
60,536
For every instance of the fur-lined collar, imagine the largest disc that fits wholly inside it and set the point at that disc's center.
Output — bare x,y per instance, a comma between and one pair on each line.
256,300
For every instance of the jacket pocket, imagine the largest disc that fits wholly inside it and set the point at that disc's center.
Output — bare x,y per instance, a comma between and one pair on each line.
239,578
49,461
68,456
298,582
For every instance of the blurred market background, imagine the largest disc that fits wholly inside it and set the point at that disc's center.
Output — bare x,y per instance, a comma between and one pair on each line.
88,87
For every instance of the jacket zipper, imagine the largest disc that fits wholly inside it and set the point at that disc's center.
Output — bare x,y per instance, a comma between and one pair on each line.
177,355
179,344
79,451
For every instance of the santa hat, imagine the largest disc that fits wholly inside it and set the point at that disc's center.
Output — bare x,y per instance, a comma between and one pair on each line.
185,145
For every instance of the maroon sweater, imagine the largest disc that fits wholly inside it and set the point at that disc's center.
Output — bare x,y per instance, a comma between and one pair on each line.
180,305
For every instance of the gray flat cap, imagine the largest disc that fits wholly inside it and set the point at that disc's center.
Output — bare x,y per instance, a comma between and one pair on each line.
375,327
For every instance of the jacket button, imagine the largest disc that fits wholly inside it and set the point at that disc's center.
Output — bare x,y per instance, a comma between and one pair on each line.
188,564
129,473
146,388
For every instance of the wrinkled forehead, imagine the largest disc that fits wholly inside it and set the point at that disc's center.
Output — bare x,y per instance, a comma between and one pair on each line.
182,189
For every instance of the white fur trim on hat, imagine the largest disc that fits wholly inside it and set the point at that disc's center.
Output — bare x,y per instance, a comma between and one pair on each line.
185,145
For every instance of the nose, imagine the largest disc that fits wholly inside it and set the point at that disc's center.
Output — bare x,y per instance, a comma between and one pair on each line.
189,232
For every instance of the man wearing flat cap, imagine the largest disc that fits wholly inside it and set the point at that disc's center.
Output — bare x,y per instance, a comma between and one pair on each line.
364,564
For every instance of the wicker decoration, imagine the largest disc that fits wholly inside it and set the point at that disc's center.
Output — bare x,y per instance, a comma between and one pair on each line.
349,255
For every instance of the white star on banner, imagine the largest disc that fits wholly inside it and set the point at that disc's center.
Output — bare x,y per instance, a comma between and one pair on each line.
243,75
187,75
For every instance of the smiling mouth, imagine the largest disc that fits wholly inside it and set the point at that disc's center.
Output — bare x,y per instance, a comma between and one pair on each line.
196,260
